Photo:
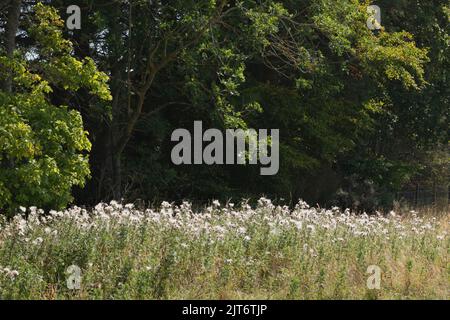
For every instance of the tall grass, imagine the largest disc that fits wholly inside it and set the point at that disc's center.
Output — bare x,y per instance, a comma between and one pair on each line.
266,252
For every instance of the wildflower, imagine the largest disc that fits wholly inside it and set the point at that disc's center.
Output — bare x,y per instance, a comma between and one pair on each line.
38,241
13,274
216,203
220,230
298,224
263,202
242,230
302,205
311,227
165,205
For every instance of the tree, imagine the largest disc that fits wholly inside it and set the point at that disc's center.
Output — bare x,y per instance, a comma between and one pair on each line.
43,145
408,145
220,60
310,68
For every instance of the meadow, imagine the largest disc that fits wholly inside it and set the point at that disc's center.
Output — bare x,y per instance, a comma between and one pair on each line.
118,251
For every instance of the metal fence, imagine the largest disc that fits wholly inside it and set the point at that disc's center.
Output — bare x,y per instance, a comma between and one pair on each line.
418,197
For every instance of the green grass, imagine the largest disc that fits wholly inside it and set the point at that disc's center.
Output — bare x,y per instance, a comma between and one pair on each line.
266,252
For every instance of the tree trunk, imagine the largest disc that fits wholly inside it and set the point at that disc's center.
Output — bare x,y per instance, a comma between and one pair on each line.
12,25
117,176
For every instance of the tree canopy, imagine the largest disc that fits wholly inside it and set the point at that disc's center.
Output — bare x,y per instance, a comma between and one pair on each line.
359,111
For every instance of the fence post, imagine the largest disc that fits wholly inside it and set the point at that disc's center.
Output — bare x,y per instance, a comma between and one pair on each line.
434,192
416,196
448,196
